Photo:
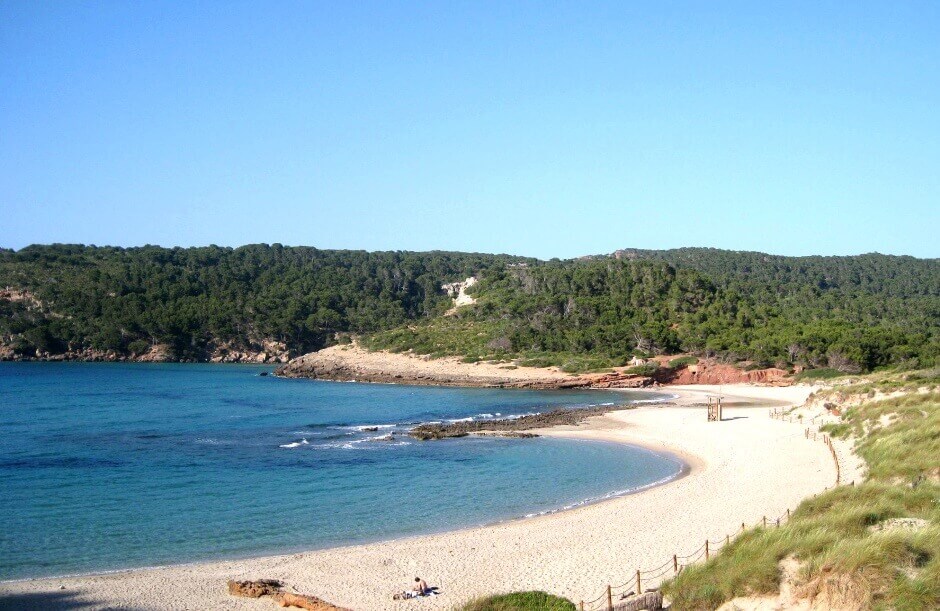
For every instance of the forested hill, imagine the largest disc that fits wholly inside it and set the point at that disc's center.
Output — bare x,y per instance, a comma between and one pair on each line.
853,313
199,301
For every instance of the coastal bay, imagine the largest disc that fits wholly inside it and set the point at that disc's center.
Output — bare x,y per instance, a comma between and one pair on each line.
741,469
221,461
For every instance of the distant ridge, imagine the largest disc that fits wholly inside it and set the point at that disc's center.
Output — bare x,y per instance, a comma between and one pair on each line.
267,303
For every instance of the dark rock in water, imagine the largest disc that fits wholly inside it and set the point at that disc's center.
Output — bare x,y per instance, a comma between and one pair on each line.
511,427
370,429
263,373
435,431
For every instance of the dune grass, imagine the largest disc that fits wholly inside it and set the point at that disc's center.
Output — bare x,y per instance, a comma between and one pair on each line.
836,536
520,601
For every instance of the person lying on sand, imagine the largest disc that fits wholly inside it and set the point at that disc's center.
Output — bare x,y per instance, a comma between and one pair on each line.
420,588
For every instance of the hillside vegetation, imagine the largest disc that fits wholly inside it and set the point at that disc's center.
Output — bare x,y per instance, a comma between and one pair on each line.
875,545
192,299
852,314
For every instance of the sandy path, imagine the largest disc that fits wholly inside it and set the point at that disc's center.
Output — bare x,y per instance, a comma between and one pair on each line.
744,468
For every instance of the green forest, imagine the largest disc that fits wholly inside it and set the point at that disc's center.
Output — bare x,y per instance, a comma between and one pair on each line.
853,313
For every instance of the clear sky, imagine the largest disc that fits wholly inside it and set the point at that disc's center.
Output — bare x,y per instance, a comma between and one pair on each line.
544,129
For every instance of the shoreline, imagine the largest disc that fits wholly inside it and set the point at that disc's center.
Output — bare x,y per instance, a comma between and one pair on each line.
364,575
685,469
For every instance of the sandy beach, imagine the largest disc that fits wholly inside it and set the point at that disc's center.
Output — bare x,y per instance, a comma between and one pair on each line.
741,469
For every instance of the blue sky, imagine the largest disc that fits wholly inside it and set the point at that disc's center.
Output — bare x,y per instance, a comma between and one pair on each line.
544,129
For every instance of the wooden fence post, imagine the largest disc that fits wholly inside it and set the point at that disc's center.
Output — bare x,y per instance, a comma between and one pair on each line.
765,521
610,600
727,540
581,606
706,549
639,589
675,563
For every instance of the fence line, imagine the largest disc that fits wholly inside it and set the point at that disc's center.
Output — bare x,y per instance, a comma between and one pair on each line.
675,565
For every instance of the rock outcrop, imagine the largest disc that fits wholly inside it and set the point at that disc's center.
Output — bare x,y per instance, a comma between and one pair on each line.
511,427
265,351
274,589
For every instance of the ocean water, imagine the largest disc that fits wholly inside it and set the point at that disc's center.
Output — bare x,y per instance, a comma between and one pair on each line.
107,466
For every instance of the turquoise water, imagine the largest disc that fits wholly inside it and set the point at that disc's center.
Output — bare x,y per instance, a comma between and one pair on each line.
106,466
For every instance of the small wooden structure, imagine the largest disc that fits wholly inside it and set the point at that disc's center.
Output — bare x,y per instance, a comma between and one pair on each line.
714,408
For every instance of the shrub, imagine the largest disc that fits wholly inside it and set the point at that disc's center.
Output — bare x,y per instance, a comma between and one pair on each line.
139,346
682,361
644,370
521,601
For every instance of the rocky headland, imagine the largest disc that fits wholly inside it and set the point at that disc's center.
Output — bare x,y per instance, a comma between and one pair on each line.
352,363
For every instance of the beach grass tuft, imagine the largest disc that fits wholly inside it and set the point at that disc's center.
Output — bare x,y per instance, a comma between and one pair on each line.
520,601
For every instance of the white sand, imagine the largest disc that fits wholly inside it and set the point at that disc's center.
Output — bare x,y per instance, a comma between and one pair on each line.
744,468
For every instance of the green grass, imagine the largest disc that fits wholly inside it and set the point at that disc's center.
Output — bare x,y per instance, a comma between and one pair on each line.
831,534
885,382
520,601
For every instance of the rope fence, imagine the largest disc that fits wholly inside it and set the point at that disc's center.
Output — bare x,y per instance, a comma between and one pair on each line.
618,596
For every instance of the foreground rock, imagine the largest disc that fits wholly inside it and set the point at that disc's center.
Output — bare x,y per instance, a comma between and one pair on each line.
274,589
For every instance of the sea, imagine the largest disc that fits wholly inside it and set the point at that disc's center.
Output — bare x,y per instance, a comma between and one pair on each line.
109,466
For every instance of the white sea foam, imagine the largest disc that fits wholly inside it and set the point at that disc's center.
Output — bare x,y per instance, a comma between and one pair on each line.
295,444
355,444
515,416
659,400
209,441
